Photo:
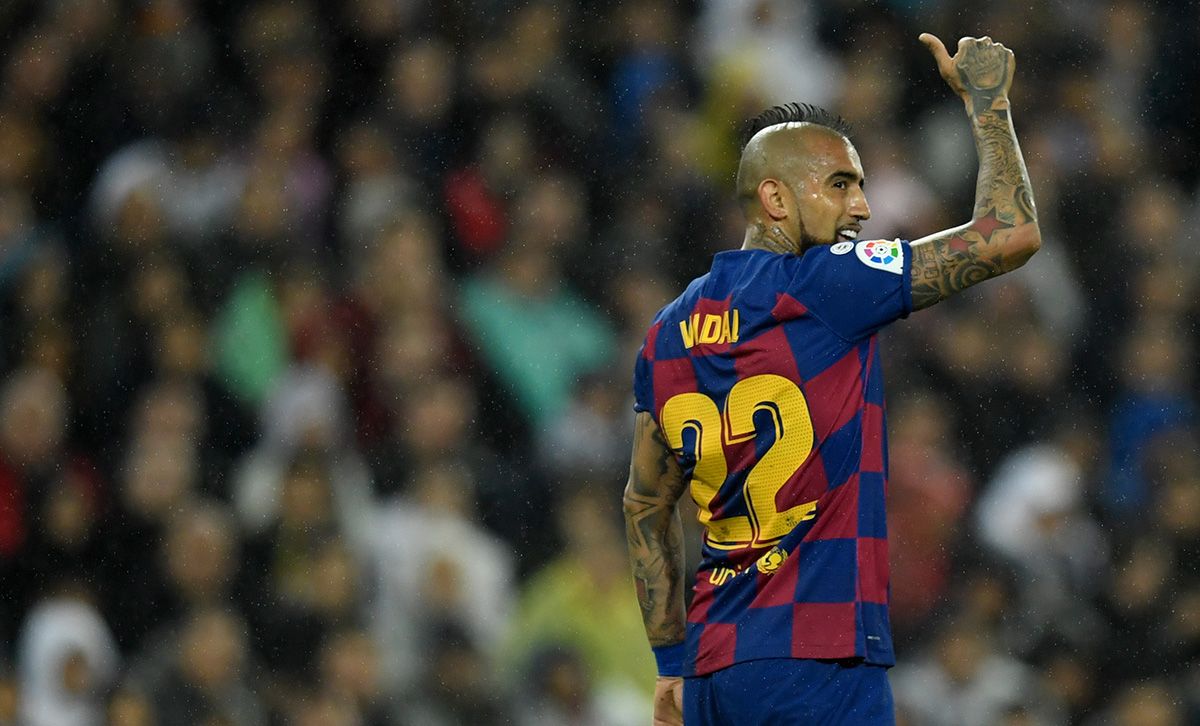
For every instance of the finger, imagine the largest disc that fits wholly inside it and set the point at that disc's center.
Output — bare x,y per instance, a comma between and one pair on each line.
936,47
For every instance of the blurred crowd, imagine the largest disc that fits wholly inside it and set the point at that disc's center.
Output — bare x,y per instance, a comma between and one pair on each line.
317,323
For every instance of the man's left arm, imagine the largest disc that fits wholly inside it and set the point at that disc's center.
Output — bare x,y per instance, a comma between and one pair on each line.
655,534
1003,232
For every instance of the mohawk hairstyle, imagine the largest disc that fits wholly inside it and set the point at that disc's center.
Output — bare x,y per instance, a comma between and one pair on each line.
795,113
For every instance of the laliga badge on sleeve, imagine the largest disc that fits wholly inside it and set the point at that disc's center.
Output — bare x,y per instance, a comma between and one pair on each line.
882,254
841,248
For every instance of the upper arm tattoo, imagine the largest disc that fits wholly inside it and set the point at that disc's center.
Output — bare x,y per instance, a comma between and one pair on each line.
655,533
951,262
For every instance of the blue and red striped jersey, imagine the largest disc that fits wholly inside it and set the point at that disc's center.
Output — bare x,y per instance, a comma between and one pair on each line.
765,379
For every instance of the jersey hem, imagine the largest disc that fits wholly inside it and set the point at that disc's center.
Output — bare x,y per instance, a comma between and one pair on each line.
824,655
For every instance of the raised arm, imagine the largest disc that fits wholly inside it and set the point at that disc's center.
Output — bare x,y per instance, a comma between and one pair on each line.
655,534
1003,232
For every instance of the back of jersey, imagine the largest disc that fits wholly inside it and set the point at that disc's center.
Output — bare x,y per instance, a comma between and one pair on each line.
765,380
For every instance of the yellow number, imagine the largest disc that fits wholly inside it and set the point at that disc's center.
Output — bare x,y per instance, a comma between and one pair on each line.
783,400
697,413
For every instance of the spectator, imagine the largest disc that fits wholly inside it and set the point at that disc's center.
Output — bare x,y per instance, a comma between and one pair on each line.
530,301
351,677
929,490
581,599
67,660
963,680
458,685
156,481
1033,514
130,707
436,564
207,675
558,689
307,412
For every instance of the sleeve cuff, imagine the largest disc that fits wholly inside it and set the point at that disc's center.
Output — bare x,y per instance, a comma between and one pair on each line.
670,659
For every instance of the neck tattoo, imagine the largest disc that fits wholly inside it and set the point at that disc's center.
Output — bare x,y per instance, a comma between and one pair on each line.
772,239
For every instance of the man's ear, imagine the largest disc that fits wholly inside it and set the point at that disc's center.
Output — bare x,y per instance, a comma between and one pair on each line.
771,196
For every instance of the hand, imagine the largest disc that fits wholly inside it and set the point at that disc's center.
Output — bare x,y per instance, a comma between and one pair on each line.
668,701
980,72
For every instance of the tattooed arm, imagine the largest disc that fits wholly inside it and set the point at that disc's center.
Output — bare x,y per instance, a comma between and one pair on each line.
655,534
1003,233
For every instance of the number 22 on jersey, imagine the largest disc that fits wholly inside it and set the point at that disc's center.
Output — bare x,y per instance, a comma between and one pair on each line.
709,429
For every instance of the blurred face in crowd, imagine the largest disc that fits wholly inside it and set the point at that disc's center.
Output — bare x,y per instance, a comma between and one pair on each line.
421,80
335,580
200,552
961,651
69,514
437,417
350,666
170,409
8,700
1154,358
160,473
21,149
44,288
37,68
411,350
139,225
1179,507
406,250
1138,581
130,708
305,501
183,346
211,650
550,213
1148,704
506,150
33,407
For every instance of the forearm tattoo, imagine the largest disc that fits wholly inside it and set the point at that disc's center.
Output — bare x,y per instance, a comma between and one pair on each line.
958,258
655,533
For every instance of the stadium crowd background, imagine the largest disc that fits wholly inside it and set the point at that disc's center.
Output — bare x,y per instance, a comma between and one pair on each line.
317,324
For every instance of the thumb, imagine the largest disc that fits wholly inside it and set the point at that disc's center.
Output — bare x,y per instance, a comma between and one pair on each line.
936,47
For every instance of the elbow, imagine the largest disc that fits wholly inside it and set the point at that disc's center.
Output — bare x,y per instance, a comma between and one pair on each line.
1022,243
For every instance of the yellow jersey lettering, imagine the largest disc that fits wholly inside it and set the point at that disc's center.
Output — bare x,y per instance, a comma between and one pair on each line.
688,331
721,575
713,329
711,333
688,328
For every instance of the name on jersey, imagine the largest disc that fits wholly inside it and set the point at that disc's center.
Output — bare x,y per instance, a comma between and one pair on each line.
710,328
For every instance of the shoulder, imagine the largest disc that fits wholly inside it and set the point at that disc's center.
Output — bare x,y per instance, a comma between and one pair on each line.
866,262
887,255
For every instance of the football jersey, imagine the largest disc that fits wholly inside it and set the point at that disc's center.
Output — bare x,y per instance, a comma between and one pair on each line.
765,379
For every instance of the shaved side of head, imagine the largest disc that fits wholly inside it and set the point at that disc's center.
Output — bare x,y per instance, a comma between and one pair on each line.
774,145
776,152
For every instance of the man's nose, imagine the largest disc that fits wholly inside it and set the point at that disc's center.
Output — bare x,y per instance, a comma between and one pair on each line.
859,209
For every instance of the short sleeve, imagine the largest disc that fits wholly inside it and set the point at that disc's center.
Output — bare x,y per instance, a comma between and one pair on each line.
643,384
856,288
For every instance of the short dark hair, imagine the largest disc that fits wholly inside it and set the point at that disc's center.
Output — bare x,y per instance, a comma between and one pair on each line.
795,113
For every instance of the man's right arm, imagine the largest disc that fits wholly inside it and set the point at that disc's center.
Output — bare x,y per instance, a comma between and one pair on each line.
1003,232
655,534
